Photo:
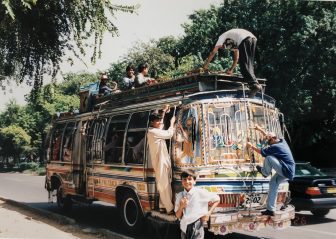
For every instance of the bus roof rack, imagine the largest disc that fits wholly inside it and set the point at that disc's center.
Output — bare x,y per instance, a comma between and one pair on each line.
189,84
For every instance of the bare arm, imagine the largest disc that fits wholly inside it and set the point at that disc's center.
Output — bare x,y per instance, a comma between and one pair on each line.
249,145
235,61
262,131
210,57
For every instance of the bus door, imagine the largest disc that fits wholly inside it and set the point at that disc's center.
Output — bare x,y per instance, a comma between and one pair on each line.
94,142
77,146
69,154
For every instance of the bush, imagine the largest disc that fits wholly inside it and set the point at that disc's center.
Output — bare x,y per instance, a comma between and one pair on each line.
22,166
41,171
32,165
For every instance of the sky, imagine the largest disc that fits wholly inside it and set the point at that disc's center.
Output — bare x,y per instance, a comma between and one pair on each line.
154,19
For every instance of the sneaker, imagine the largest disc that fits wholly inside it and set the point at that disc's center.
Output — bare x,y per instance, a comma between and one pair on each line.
254,88
260,171
267,213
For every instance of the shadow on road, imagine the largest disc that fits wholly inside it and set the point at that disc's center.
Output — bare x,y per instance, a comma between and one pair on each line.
302,219
102,216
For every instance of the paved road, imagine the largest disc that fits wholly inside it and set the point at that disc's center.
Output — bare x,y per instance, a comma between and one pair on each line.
30,190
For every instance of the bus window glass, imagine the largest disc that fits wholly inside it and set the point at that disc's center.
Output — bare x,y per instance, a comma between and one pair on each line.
267,118
138,120
95,135
56,142
187,140
225,132
69,133
136,138
89,136
115,139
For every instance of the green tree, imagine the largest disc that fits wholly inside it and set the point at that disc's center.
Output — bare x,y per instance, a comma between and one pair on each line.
161,63
35,34
295,53
14,141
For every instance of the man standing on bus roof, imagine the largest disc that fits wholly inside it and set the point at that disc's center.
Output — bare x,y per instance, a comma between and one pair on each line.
243,44
278,156
160,159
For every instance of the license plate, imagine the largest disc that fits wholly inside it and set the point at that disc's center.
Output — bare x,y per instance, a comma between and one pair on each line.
252,199
331,190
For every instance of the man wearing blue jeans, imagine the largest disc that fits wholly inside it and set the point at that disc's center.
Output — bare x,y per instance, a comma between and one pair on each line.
278,156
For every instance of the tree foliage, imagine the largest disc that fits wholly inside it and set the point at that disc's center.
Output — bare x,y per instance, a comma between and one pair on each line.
13,142
295,52
35,34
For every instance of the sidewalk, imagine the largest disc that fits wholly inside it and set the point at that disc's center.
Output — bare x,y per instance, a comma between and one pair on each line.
13,224
18,220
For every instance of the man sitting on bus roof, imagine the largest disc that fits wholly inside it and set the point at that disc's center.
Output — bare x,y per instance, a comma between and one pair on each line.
158,153
129,79
142,78
104,87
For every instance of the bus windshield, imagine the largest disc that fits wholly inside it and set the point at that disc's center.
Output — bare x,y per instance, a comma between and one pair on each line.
215,133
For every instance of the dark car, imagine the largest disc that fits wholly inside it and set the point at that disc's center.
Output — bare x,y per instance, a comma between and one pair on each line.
312,190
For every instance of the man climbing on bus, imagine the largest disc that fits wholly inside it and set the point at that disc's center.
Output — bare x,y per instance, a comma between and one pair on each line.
159,156
278,156
243,44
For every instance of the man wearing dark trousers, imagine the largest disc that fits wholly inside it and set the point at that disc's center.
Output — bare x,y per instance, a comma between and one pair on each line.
243,44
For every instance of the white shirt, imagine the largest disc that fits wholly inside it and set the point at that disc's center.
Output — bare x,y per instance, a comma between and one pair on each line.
158,152
197,206
141,80
236,35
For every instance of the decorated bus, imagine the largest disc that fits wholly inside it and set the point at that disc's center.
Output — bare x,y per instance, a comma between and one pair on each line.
100,154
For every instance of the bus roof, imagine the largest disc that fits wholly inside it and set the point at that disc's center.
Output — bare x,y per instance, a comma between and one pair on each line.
186,85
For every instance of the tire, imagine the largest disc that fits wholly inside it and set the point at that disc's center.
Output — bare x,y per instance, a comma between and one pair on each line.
131,213
320,212
63,201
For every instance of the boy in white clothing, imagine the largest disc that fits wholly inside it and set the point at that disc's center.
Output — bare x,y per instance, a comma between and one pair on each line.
192,207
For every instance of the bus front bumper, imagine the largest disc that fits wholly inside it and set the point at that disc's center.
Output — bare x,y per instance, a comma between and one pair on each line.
224,223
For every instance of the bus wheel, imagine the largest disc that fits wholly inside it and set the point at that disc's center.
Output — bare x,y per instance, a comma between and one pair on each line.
63,201
131,213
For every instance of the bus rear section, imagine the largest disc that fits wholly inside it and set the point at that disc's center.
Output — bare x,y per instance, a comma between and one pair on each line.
211,139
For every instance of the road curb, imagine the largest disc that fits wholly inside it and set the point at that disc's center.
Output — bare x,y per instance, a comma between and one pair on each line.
63,220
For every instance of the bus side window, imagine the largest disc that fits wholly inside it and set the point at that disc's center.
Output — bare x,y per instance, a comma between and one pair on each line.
95,139
136,138
68,141
89,129
115,138
97,143
185,138
56,142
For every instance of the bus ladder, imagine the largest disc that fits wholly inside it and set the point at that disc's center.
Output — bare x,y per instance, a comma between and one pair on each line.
251,152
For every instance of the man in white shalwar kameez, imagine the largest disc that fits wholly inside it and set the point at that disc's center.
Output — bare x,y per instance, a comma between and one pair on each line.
158,152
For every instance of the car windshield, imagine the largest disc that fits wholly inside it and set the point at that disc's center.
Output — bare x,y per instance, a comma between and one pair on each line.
303,170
